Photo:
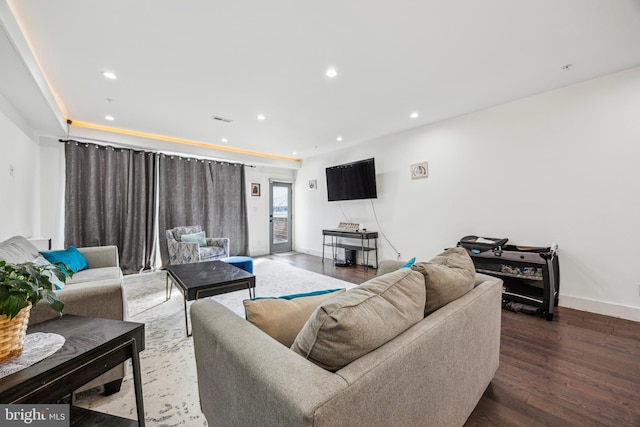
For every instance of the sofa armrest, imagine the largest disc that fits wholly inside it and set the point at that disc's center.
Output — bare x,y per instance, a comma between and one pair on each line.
101,256
388,265
247,378
85,299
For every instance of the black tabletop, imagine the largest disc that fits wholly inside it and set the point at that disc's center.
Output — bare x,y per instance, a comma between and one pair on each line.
85,337
206,273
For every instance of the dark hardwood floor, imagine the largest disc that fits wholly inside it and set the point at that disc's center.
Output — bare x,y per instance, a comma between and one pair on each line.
581,369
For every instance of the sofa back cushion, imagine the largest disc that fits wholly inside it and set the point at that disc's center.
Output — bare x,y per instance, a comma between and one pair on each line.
362,319
17,250
447,277
283,317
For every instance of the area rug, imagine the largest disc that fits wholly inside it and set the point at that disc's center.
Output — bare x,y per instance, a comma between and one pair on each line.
169,380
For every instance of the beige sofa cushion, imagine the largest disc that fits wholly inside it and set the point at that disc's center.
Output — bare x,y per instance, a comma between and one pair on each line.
113,274
282,318
362,319
447,277
17,250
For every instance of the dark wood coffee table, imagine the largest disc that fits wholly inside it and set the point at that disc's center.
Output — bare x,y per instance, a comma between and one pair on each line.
205,279
92,347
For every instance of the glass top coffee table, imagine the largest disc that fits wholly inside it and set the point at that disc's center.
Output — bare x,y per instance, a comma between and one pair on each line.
205,279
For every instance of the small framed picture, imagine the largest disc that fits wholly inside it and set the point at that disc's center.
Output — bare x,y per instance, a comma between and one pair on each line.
313,185
420,170
255,189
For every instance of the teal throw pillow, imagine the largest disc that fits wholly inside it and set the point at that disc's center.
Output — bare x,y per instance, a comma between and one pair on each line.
71,257
57,283
409,263
302,295
198,238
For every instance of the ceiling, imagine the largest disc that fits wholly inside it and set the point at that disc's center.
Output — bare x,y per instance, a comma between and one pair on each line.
179,63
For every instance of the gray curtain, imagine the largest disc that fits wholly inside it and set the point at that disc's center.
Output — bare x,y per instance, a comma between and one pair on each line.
206,193
109,200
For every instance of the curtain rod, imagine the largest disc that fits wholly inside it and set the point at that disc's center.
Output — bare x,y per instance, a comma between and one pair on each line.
134,148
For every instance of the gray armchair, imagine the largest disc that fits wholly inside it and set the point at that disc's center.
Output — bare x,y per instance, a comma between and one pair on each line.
188,252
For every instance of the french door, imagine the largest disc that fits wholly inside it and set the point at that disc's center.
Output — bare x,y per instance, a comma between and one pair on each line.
280,221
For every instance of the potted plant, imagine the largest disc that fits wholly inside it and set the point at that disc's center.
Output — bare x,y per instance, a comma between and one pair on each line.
21,287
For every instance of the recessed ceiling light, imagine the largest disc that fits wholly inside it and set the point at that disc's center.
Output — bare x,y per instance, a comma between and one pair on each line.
110,118
414,115
294,153
225,140
261,117
332,72
339,138
109,75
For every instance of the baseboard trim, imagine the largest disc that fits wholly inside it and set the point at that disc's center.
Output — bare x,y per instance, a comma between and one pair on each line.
599,307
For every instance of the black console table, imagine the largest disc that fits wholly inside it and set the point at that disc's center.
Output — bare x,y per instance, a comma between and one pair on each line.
362,236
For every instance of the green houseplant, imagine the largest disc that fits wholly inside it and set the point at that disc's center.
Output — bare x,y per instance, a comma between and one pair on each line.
21,287
28,282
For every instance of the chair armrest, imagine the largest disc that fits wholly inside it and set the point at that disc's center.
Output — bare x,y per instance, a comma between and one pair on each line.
101,256
183,252
247,378
221,242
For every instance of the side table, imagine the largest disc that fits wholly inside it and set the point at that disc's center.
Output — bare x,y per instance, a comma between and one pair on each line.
92,347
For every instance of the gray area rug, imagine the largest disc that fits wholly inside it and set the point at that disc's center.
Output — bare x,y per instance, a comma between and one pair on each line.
169,380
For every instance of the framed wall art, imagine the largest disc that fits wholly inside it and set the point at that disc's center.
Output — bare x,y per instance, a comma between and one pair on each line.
255,189
419,170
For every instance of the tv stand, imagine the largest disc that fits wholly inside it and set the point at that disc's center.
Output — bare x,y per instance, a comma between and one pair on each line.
337,234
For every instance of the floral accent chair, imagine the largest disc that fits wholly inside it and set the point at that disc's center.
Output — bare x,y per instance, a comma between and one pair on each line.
197,248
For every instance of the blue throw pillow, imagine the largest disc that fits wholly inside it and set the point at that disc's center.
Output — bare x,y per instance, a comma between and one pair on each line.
71,257
306,294
198,238
409,263
57,283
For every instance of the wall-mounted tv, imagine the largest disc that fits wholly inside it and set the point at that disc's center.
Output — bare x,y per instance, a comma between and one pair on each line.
352,181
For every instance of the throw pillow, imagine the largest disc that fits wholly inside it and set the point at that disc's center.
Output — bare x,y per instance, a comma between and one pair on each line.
198,238
71,257
57,283
409,263
283,317
447,277
362,319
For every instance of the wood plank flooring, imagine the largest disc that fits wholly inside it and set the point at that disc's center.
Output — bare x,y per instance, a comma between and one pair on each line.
581,369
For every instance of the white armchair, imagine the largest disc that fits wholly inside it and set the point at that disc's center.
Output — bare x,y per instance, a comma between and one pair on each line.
188,252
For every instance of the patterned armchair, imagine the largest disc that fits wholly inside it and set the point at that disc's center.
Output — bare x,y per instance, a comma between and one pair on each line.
188,252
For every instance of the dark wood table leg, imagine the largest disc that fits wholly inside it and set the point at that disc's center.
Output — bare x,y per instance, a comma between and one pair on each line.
137,382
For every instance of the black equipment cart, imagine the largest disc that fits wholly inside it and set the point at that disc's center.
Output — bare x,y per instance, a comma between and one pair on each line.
531,275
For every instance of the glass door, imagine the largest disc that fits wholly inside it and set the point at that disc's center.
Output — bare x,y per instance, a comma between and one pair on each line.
280,217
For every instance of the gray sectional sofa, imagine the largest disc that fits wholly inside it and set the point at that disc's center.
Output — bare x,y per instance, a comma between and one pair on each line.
94,292
431,374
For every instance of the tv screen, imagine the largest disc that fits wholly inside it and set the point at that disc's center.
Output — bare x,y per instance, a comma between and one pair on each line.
352,181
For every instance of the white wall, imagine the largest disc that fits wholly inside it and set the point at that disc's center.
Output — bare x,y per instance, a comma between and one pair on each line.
557,167
259,207
52,182
21,190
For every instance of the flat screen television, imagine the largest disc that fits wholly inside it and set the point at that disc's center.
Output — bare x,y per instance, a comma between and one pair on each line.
352,181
